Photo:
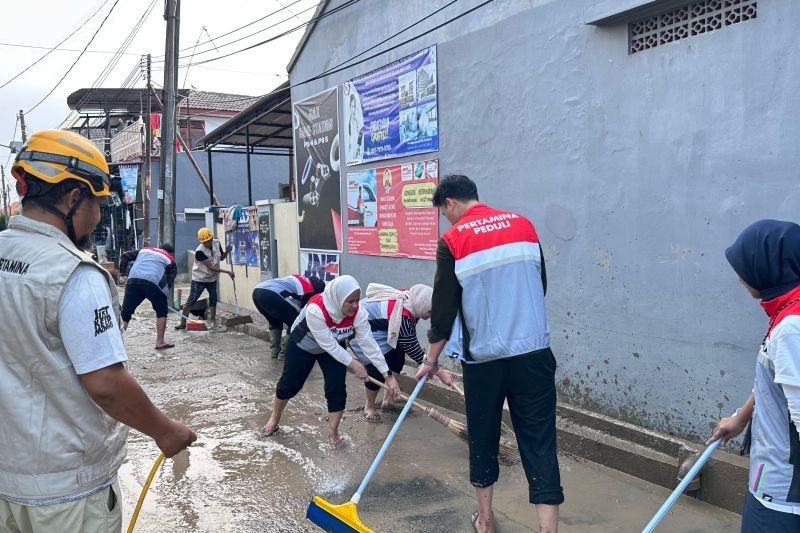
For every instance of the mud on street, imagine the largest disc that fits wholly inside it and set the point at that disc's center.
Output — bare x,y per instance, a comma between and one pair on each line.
221,384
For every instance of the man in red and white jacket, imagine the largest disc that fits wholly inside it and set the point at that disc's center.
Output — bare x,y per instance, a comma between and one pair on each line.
151,275
490,283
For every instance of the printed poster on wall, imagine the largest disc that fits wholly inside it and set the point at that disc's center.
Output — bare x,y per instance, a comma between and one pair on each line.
316,153
264,243
392,111
317,265
129,176
390,210
244,240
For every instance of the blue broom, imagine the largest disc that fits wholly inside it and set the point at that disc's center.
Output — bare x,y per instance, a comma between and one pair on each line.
344,518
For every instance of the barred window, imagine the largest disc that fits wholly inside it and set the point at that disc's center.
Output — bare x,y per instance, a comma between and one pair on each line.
692,19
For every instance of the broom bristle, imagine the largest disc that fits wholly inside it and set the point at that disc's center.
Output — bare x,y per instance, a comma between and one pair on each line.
504,429
508,452
196,325
336,518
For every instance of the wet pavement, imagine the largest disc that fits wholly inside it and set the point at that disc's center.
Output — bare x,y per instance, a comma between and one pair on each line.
221,384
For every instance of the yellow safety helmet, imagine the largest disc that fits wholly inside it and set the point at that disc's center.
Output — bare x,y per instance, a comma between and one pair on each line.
204,234
53,156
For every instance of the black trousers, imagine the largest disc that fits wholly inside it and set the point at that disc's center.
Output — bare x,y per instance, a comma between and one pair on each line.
396,359
758,519
139,290
296,368
275,309
528,383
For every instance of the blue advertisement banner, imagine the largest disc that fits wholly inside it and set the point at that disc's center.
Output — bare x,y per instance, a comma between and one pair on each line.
319,265
242,236
129,174
245,245
392,111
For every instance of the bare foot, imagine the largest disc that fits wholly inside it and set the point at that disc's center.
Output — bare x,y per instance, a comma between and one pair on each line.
269,429
483,525
388,405
336,442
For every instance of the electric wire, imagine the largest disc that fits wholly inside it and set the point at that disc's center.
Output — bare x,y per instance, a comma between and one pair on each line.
13,136
186,74
334,70
344,64
289,10
114,61
210,40
104,74
412,25
76,60
282,34
59,49
51,50
160,58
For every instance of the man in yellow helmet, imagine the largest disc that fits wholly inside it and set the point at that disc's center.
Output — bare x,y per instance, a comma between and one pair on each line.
205,274
66,397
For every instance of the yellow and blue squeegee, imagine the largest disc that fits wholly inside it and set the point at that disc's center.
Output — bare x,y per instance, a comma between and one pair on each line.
344,518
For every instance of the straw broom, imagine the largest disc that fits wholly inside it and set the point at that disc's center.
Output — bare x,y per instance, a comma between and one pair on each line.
508,452
505,431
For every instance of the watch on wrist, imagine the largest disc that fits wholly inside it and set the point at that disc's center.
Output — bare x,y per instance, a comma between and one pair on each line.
388,373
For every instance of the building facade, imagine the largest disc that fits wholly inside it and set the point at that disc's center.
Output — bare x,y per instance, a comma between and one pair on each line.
640,137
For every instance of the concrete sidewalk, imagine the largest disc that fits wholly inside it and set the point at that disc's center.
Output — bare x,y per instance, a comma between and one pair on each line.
222,383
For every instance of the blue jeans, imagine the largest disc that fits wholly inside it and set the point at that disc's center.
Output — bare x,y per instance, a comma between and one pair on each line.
197,289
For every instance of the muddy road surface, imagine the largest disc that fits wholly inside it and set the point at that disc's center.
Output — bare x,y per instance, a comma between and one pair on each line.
232,480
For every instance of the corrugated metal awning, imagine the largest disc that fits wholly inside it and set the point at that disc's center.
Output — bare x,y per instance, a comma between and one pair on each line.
268,121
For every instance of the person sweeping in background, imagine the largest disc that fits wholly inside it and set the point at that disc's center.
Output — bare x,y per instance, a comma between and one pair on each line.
205,274
280,301
150,277
393,315
766,257
318,335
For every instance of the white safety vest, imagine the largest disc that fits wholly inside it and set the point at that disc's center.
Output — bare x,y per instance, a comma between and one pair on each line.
200,272
55,441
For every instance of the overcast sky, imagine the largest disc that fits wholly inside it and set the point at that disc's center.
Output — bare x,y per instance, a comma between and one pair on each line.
45,23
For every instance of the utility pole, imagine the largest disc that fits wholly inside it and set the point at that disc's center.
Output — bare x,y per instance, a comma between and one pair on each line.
22,126
148,157
169,124
5,191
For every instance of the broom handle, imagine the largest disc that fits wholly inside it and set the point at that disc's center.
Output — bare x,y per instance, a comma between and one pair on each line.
403,396
179,313
378,458
681,487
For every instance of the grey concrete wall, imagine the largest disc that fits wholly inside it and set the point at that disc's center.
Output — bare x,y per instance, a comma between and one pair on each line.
230,186
638,170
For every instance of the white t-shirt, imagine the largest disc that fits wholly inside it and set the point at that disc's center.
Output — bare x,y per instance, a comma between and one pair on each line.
88,323
363,335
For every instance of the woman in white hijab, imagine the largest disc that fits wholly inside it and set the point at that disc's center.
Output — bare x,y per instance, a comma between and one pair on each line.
393,316
319,335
